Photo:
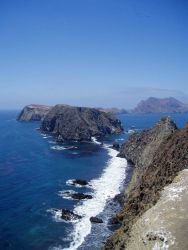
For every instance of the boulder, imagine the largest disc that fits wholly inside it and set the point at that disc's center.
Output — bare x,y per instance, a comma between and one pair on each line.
81,196
116,145
68,215
79,182
96,220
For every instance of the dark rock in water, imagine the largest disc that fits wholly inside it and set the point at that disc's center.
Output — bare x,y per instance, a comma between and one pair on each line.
96,220
69,215
116,145
79,182
76,196
33,112
69,123
81,196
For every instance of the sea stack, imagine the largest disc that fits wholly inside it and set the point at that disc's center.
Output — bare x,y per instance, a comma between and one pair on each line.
159,155
33,112
68,123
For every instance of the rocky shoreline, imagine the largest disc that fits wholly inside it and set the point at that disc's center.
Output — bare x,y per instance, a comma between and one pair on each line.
158,155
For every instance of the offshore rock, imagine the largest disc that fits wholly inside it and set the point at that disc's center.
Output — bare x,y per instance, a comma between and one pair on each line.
33,112
158,155
116,146
96,220
69,123
76,196
68,215
81,196
77,182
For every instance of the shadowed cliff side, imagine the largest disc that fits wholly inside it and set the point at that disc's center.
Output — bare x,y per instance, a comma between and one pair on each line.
69,123
158,154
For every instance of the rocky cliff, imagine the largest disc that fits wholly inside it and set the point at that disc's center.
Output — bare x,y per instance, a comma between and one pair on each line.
33,113
69,123
158,155
161,105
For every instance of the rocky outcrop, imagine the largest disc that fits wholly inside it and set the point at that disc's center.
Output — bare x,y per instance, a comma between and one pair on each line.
76,196
69,123
142,147
158,155
96,220
68,215
161,105
78,182
33,112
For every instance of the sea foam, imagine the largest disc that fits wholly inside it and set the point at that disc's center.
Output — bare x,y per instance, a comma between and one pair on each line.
104,189
94,140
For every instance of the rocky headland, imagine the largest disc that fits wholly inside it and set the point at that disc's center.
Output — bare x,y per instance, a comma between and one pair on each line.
149,218
33,112
68,123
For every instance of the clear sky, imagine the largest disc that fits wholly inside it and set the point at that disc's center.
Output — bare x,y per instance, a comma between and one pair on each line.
92,52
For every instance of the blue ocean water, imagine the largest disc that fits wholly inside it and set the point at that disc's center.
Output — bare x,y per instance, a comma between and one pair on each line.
33,172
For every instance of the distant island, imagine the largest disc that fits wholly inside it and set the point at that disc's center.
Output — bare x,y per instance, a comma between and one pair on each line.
35,112
160,105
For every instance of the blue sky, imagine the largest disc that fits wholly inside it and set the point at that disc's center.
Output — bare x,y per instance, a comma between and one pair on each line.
92,52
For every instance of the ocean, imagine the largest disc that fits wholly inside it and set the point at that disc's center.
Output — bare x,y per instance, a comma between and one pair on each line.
35,172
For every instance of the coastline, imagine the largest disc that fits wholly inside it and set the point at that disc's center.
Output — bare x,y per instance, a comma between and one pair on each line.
104,189
158,154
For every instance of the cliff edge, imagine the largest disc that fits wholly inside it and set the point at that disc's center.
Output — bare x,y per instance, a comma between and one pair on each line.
33,112
158,155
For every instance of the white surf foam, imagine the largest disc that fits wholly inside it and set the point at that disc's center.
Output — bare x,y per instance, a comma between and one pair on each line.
94,140
57,213
71,183
58,147
105,188
66,194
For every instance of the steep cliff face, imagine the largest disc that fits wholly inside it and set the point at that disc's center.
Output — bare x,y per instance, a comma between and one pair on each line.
33,112
158,154
79,123
142,147
160,105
